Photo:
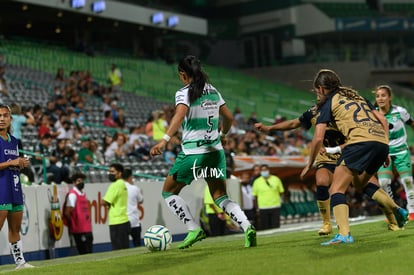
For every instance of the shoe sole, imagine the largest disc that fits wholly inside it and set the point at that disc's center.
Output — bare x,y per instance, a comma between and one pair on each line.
324,233
338,240
401,219
199,238
395,229
24,266
335,243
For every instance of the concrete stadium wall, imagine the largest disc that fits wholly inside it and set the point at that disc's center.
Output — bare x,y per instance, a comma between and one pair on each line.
37,244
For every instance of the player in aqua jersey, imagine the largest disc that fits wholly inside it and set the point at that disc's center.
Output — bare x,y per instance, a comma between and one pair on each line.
396,116
11,194
198,109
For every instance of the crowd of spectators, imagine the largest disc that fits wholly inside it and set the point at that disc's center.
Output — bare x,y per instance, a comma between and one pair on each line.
245,140
63,131
66,142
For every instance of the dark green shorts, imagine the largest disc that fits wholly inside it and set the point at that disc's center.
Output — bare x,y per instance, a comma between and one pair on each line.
401,162
11,207
187,168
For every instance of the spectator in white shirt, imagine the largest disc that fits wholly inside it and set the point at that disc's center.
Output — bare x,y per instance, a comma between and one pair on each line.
135,198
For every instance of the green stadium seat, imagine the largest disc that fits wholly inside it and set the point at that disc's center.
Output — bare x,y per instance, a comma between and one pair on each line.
160,81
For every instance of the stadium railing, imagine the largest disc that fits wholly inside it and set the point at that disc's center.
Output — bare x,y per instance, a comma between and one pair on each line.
39,171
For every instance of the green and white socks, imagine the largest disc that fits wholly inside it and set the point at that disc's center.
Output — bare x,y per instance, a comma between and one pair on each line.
234,211
180,208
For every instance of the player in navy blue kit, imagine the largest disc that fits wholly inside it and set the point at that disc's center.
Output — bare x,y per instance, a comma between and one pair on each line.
11,195
366,148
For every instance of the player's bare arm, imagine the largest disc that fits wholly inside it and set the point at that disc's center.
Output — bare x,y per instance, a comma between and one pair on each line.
227,122
281,126
180,112
316,145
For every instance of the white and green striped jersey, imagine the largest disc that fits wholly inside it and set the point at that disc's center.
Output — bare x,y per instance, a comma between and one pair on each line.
397,116
200,126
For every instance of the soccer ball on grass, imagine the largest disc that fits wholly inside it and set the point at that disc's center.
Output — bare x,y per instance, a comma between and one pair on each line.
157,238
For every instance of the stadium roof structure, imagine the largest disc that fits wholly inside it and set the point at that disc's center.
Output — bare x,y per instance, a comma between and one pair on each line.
118,24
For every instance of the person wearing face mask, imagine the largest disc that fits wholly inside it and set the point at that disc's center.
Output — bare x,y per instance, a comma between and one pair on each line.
135,198
78,215
65,131
116,198
267,190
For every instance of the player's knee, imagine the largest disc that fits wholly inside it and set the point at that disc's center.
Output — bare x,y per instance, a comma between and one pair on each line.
384,183
370,189
322,193
338,198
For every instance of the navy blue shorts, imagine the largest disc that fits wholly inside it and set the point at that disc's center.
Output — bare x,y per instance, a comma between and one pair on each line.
329,166
364,156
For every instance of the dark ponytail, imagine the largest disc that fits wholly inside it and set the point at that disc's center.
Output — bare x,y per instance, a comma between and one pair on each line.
330,80
192,67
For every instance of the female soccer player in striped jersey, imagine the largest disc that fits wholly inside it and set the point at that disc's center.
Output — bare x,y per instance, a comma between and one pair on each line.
198,109
397,118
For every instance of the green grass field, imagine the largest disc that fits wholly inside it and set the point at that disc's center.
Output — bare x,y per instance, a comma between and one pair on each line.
375,251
